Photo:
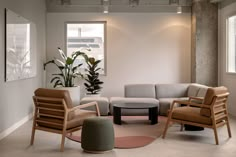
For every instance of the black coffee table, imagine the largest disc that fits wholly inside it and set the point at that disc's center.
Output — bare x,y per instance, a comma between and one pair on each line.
152,110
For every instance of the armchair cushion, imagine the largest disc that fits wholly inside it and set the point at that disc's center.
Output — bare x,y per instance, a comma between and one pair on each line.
191,114
52,93
77,120
211,92
79,117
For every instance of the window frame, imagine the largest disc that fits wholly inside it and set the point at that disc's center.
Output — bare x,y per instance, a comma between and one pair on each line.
227,44
105,39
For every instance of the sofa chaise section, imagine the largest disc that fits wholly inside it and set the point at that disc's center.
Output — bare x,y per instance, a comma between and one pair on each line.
161,94
166,93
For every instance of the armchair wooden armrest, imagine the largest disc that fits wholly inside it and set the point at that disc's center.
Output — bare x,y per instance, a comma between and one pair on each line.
196,98
94,103
188,103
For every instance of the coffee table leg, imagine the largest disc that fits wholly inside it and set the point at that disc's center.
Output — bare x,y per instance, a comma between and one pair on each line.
153,115
117,115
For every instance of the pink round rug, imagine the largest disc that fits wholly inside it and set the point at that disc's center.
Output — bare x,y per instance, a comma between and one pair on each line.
132,141
125,142
134,132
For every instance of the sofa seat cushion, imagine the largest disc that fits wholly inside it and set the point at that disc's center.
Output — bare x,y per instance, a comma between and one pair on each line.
191,114
133,101
165,104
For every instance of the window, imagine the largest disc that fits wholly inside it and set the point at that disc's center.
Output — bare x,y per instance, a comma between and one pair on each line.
87,35
231,44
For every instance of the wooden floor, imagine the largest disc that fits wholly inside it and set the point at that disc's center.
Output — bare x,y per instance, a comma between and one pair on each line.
176,143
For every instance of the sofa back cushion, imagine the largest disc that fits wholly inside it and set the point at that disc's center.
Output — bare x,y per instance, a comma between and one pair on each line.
202,91
197,90
140,90
171,90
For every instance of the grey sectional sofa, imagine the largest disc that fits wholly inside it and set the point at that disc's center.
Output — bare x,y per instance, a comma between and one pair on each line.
160,94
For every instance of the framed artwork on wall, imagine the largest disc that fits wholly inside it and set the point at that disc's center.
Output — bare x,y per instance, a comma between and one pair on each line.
88,35
20,54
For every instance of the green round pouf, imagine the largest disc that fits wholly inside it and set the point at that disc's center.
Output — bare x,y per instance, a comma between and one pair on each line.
97,135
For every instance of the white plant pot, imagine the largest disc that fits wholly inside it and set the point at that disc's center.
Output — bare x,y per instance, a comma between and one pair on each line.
74,94
93,95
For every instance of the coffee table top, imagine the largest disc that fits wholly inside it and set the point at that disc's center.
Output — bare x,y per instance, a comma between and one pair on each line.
135,105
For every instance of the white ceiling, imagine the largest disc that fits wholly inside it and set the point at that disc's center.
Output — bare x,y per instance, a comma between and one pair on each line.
118,5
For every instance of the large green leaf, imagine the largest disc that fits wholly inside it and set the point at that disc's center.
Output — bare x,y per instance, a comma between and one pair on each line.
68,71
91,60
69,61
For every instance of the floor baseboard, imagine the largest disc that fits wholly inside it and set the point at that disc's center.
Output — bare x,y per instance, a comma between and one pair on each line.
8,131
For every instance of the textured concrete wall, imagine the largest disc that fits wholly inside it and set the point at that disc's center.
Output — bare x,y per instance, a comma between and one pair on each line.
204,42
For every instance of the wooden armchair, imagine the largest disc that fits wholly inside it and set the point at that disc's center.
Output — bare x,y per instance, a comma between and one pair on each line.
54,113
210,113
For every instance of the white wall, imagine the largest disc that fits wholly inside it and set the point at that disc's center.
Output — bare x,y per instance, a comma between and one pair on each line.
226,79
16,96
141,47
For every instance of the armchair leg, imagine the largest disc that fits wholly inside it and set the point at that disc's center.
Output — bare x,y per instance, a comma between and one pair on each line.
62,141
32,136
228,128
166,127
33,132
216,135
182,127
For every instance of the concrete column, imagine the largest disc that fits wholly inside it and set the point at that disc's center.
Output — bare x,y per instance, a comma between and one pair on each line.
204,58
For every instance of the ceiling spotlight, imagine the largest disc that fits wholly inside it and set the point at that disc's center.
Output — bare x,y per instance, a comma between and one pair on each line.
133,3
173,2
105,9
105,2
179,10
65,2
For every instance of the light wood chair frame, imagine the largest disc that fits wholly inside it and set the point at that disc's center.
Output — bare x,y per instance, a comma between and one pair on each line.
64,131
219,101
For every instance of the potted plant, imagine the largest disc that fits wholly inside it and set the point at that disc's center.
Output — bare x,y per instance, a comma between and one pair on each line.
92,84
68,71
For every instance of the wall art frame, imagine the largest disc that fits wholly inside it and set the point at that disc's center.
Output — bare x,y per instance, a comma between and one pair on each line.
20,47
